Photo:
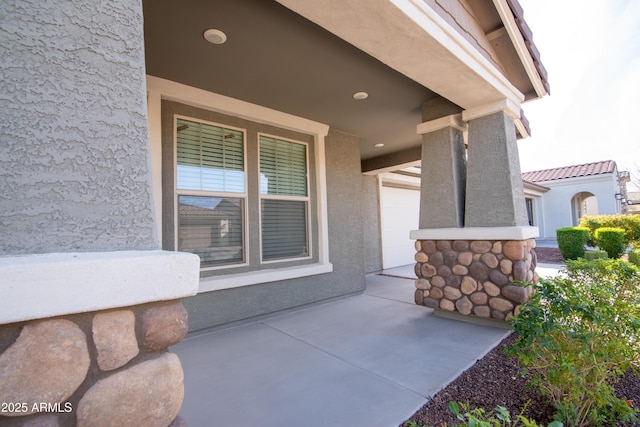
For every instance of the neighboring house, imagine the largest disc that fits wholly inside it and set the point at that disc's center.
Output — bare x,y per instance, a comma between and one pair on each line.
559,197
252,133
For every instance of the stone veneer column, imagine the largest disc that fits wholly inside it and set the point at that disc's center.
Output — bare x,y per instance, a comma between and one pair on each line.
495,195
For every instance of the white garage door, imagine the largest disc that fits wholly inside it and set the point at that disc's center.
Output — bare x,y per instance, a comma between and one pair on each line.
400,210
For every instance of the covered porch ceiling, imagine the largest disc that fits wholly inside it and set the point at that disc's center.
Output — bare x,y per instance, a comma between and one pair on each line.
276,58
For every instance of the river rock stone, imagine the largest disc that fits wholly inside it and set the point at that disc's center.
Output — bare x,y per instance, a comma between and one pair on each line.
438,282
468,285
480,246
443,245
479,298
447,305
164,325
114,336
498,278
464,306
147,394
452,293
519,271
453,281
479,271
506,266
428,246
517,294
46,363
515,249
436,259
436,293
460,270
482,311
490,260
450,258
421,257
460,245
427,270
431,303
465,258
491,289
422,284
496,248
500,304
418,296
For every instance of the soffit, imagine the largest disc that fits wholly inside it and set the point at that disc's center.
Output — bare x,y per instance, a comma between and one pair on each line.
278,59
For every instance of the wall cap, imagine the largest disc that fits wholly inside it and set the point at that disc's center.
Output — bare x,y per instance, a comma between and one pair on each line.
476,233
45,285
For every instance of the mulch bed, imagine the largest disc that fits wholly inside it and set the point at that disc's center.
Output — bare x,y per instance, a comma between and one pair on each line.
496,380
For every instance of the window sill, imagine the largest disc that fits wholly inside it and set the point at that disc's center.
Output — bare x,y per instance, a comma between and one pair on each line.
229,281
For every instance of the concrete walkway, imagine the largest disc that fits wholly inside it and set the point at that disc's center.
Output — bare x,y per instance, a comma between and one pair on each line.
367,360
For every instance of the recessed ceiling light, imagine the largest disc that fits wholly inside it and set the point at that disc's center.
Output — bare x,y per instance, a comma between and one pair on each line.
359,96
379,145
214,36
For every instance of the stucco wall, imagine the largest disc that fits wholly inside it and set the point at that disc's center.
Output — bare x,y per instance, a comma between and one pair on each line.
371,224
557,201
345,200
74,172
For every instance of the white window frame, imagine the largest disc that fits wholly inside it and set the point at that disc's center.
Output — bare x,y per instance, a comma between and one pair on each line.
203,193
306,199
159,89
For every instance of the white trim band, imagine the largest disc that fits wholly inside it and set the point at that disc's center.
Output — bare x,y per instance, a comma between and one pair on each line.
55,284
476,233
510,108
452,121
229,281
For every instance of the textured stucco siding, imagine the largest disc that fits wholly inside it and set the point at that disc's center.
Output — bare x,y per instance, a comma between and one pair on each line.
74,167
458,14
344,199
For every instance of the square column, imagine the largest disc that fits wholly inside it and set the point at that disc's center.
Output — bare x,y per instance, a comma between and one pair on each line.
494,192
443,173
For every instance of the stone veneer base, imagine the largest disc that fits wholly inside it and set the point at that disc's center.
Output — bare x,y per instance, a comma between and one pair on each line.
483,278
106,368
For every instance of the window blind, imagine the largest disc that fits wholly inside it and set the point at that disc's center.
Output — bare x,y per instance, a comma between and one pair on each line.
284,229
283,167
209,157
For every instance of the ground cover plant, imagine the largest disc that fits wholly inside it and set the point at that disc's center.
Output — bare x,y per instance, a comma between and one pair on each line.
580,332
581,353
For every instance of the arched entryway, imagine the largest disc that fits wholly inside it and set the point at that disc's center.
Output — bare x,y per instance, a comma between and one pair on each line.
583,204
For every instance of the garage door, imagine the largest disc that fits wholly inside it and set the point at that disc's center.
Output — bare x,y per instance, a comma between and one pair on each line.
399,211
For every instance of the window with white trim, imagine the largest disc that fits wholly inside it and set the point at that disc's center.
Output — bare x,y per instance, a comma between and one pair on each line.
284,199
211,192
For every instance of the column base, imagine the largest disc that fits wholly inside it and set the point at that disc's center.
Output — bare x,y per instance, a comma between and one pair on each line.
487,278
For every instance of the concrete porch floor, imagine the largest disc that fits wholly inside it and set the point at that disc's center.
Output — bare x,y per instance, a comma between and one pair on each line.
366,360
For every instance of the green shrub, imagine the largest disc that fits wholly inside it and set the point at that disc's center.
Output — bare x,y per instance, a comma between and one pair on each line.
611,240
571,241
628,222
595,254
634,257
577,334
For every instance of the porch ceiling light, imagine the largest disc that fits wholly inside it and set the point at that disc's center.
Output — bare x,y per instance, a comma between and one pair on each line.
359,96
379,145
215,36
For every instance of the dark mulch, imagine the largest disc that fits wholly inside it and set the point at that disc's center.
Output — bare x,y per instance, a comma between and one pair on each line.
549,255
495,380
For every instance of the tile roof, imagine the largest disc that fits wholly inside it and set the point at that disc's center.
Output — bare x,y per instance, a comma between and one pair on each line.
587,169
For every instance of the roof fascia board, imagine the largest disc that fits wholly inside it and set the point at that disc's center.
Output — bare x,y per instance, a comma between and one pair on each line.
520,46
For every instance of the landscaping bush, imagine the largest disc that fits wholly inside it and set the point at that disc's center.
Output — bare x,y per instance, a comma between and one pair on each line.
611,240
571,241
634,257
628,222
595,254
577,334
